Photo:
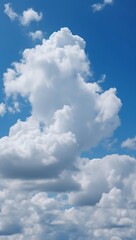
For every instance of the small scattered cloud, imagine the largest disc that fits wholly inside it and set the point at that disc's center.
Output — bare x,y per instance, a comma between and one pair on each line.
8,10
11,108
2,109
28,16
102,78
129,143
100,6
109,143
97,7
14,108
37,35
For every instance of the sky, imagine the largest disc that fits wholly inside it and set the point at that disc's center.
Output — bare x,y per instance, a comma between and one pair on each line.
67,120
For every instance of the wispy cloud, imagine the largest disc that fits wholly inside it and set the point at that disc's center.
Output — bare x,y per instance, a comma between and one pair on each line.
2,109
100,6
8,10
129,143
102,78
26,18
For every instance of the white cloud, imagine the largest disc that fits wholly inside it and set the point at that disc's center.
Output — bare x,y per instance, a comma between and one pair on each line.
2,109
100,6
36,213
27,16
45,184
36,35
52,76
102,78
8,10
108,1
129,143
29,153
110,175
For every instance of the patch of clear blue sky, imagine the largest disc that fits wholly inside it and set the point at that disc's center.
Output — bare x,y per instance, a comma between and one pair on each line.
110,37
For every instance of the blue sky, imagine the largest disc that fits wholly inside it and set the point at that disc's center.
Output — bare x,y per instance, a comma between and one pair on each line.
78,113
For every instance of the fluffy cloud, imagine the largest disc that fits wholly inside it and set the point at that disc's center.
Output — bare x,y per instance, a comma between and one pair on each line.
36,35
53,77
111,216
110,175
129,143
29,153
68,114
100,6
27,16
49,189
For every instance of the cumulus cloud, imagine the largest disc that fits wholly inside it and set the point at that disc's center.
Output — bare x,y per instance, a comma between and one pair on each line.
52,76
101,177
129,143
27,16
111,216
45,184
36,35
68,114
30,154
100,6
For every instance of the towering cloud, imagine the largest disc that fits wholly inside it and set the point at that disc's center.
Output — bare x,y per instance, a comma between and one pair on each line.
53,76
52,190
